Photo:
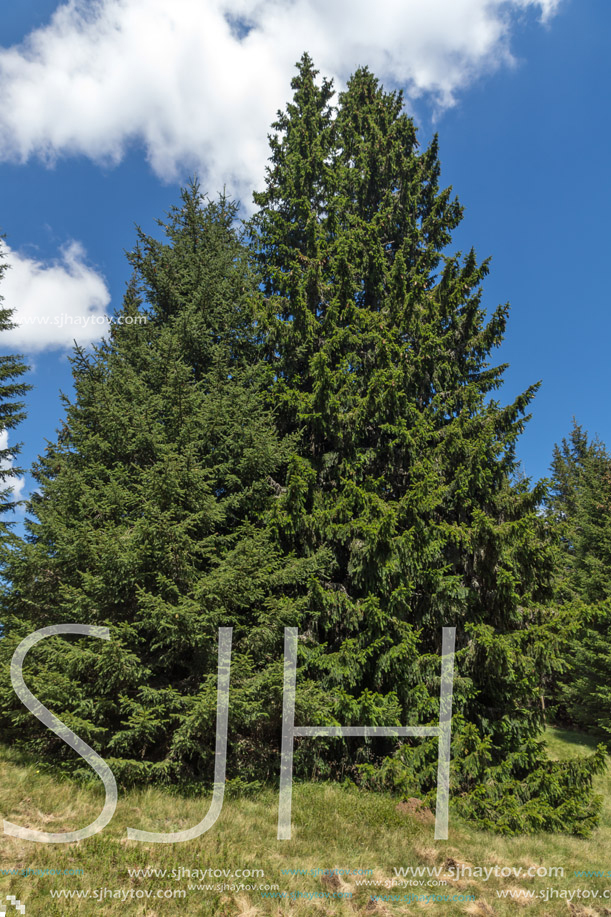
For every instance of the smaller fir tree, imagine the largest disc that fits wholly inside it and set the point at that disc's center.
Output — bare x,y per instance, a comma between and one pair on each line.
147,520
580,508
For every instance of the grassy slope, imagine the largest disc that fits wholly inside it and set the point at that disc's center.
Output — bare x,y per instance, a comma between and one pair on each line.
332,828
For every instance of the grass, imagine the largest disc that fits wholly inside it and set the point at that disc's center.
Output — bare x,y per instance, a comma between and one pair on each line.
333,828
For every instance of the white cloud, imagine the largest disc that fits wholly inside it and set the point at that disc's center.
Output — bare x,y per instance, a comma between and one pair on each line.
55,303
15,483
183,79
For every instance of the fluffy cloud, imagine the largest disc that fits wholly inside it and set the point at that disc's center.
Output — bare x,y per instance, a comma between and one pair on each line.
198,83
55,303
16,484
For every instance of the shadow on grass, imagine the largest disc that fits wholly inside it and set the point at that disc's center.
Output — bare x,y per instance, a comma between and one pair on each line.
564,744
10,754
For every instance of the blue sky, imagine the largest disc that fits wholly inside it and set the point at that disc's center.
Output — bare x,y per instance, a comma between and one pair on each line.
109,106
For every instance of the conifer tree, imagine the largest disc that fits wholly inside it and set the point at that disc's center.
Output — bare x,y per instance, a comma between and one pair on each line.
331,458
146,521
580,509
405,466
12,392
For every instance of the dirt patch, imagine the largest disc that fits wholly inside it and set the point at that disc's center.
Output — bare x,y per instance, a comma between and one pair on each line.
427,854
577,910
479,908
451,863
332,881
417,809
376,908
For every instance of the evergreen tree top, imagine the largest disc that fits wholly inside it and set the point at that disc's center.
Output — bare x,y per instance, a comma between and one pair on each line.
362,297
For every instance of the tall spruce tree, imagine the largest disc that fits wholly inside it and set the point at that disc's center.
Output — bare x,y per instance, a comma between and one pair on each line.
146,521
405,463
12,410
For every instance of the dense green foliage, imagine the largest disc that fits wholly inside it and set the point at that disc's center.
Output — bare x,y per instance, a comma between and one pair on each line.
12,412
580,510
405,463
310,439
144,521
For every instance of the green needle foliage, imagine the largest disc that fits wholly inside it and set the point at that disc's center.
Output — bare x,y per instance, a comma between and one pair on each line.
580,510
146,521
405,467
12,392
307,440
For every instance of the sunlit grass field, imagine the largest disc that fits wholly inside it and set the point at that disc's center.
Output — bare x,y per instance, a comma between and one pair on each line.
333,829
